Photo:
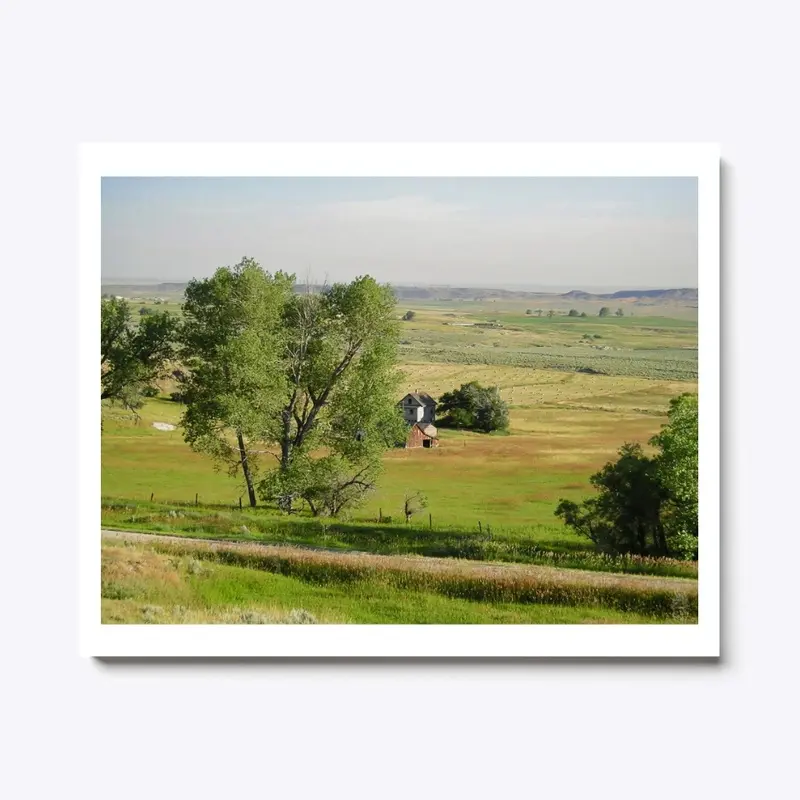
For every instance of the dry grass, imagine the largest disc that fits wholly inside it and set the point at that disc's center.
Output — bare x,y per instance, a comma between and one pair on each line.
495,583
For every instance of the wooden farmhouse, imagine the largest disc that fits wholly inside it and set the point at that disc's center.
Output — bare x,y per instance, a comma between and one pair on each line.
419,412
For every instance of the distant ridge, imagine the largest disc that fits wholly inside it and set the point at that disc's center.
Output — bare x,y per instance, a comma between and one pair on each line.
447,293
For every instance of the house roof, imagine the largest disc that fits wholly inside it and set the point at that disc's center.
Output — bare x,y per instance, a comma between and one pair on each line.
428,429
422,398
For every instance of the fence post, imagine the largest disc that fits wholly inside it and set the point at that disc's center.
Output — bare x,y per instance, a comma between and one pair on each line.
195,498
480,529
151,497
240,502
430,521
380,515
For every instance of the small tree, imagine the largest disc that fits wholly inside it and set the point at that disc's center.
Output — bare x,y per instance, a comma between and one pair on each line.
619,313
409,315
413,503
539,312
551,313
529,311
583,313
573,312
605,311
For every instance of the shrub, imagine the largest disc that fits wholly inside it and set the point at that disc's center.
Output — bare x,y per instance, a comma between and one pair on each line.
409,315
474,407
150,391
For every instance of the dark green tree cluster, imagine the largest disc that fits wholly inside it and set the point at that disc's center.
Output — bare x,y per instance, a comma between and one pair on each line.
132,356
647,505
474,407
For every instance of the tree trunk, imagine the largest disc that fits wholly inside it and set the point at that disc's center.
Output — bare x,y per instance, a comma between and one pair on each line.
251,492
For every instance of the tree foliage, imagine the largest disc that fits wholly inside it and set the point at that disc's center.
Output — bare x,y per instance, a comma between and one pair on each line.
619,313
409,315
573,312
474,407
309,378
605,311
646,505
132,356
231,345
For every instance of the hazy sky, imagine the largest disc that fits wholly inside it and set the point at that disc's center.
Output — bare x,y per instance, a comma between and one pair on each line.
577,232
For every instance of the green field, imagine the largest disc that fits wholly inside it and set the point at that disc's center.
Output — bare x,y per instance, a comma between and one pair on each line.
574,399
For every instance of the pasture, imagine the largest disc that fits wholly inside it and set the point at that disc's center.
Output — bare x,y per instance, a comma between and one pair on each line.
577,388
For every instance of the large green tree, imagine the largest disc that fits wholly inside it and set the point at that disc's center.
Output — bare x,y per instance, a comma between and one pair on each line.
232,347
339,390
132,355
308,378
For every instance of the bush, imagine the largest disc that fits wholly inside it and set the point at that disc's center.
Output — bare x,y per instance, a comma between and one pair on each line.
178,397
409,315
605,311
573,312
150,391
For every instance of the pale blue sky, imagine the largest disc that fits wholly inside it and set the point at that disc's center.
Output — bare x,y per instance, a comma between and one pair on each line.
637,232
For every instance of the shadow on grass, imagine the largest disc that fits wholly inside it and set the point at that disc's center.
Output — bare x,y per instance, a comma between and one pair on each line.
228,523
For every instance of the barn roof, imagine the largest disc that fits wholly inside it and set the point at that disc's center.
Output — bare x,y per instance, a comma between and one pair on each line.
423,398
428,429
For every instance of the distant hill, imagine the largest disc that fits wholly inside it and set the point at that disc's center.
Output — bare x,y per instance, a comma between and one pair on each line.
446,293
666,295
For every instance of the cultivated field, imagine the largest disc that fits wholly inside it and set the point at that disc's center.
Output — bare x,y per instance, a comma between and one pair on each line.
577,389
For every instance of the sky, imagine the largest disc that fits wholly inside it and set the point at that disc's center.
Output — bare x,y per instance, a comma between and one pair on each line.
566,232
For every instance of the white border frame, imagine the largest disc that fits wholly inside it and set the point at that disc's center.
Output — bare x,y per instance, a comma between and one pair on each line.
411,160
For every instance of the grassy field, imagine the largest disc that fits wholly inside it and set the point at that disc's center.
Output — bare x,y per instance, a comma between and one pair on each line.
578,388
150,579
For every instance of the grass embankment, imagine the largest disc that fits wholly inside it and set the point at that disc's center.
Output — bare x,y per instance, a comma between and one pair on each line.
385,539
155,579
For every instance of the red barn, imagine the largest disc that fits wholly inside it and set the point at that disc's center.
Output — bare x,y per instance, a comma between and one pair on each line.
423,434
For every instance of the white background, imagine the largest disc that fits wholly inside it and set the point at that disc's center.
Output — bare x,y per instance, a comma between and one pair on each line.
614,71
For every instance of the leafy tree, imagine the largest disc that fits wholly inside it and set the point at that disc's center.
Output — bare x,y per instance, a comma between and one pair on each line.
529,311
232,344
551,313
583,313
308,378
605,311
144,311
624,516
539,312
677,468
619,313
474,407
132,356
646,505
573,312
409,315
339,378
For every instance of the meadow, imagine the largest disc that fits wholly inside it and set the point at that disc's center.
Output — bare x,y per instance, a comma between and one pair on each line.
578,388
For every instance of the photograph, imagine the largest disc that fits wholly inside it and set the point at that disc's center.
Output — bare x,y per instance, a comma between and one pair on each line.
399,400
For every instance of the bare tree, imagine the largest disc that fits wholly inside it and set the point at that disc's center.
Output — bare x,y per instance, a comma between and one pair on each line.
413,504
